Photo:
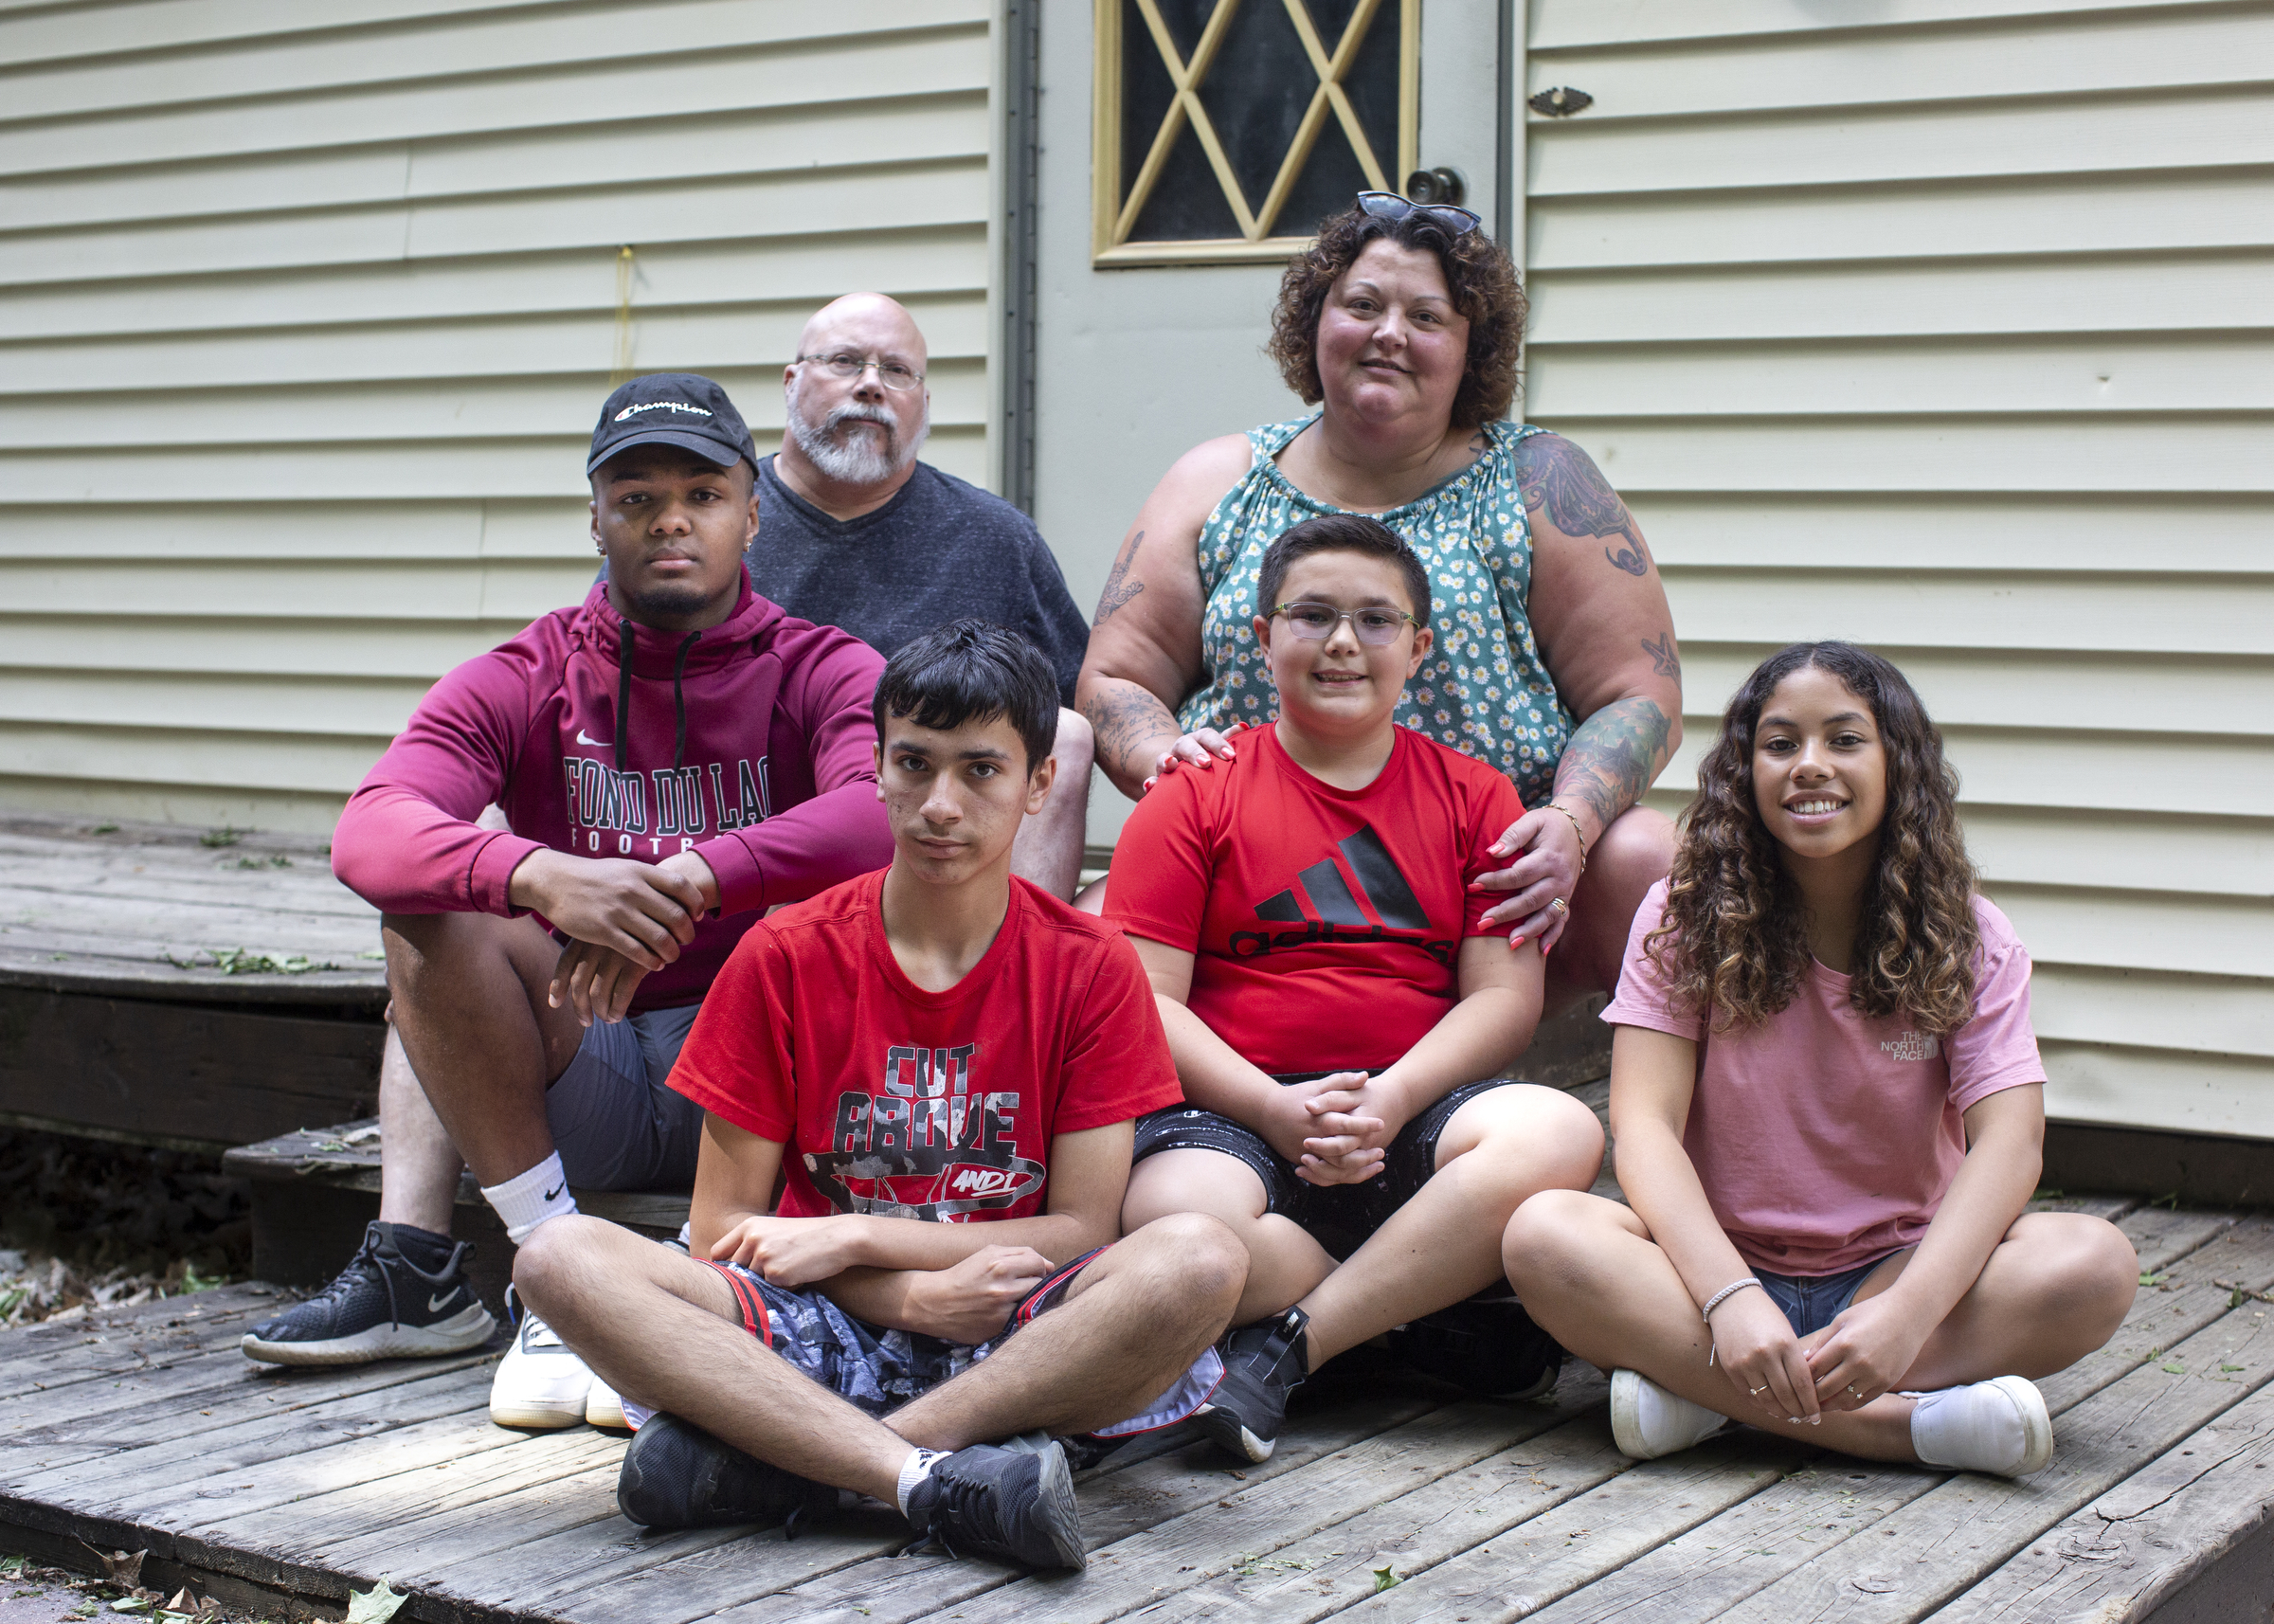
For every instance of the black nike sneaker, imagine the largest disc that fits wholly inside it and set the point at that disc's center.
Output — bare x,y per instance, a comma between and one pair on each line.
1011,1505
675,1475
1263,1363
1487,1344
404,1294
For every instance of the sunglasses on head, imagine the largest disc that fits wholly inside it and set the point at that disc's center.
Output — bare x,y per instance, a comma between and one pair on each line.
1389,206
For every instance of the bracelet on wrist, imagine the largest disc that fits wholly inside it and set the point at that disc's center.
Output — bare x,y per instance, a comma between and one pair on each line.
1575,829
1715,1300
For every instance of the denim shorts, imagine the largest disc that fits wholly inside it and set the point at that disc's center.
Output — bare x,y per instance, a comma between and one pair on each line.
1811,1302
1340,1217
615,1121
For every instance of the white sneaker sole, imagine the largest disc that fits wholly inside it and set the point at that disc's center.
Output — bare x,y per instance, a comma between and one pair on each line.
1228,1434
467,1328
538,1413
605,1408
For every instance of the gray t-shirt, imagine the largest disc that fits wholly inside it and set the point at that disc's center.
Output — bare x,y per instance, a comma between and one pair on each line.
939,550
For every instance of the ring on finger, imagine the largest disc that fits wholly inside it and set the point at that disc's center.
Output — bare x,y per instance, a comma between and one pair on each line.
1852,1389
1560,905
1756,1392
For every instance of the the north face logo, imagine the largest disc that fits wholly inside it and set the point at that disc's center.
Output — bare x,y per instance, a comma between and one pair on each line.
1912,1046
1324,906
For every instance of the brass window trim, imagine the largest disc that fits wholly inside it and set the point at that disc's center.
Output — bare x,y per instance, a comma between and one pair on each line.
1112,216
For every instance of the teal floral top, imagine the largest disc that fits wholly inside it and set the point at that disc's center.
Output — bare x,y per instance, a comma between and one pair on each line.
1482,689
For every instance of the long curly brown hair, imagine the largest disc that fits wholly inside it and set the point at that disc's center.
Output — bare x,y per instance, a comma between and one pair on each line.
1734,937
1478,275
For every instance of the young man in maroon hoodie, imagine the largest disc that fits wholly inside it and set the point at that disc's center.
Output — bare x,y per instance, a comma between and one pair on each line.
674,756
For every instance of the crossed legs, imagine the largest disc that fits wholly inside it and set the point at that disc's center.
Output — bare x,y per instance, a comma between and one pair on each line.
1438,1248
664,1330
2056,1289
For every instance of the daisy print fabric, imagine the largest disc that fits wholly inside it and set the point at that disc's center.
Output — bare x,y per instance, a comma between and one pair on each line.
1482,689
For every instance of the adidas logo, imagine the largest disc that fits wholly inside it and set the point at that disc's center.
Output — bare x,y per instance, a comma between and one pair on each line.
1326,907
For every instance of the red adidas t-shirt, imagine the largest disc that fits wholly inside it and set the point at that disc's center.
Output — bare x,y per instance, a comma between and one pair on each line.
905,1102
1324,923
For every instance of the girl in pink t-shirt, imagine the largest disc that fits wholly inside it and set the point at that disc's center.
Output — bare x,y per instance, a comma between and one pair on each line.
1824,1084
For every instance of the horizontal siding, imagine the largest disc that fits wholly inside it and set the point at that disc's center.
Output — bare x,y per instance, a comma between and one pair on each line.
332,294
1949,330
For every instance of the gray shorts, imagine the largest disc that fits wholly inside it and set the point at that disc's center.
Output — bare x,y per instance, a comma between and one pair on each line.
615,1121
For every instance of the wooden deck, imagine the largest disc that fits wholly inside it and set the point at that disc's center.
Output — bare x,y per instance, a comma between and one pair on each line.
199,988
146,1430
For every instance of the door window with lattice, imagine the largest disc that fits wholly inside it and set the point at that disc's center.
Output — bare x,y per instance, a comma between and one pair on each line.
1228,129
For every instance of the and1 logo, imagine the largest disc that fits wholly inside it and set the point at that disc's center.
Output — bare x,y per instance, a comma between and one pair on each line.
928,1146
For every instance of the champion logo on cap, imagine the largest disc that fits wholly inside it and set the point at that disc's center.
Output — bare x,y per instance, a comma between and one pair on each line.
661,405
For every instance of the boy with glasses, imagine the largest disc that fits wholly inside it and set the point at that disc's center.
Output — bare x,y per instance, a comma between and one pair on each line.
1308,914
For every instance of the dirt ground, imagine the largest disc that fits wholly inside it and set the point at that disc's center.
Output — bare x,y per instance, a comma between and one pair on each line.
87,1223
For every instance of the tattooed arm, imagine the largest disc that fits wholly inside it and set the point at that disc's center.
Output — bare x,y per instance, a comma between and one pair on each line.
1145,642
1600,613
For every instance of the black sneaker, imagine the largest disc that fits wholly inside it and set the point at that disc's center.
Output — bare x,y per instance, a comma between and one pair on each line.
1488,1345
404,1294
1263,1363
675,1475
1012,1506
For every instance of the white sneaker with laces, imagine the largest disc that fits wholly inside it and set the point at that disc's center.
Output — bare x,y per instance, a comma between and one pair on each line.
2000,1426
603,1408
539,1383
1647,1421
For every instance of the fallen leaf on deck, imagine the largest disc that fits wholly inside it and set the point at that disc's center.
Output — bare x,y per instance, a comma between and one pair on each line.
376,1605
120,1567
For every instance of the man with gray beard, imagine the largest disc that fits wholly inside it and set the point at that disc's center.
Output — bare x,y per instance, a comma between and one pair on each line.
854,532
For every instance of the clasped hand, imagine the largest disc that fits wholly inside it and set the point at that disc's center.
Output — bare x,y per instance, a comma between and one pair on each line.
1860,1356
624,919
1336,1129
965,1303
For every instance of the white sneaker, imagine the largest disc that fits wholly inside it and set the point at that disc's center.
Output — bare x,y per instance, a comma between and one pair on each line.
1648,1422
602,1408
1999,1426
539,1383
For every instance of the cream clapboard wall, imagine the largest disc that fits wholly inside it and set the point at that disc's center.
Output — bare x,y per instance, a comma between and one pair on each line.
1948,326
306,312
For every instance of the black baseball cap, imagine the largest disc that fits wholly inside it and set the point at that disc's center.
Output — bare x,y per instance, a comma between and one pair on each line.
673,409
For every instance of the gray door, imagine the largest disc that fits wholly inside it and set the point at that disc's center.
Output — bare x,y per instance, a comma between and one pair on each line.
1167,205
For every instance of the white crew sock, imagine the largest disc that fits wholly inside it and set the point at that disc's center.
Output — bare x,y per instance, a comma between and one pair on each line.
914,1470
527,1199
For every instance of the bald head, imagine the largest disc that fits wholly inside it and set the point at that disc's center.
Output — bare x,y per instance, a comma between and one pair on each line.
868,323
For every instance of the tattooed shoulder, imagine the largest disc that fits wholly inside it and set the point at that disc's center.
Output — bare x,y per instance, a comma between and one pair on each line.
1562,483
1119,588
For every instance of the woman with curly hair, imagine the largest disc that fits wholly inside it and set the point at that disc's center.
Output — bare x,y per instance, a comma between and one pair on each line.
1825,1084
1555,659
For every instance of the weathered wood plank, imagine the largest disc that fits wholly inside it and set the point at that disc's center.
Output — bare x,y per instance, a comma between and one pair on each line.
115,1341
1256,1524
1116,1503
1582,1538
1947,1540
323,1542
1491,1518
134,1463
180,1073
1697,1571
2145,1540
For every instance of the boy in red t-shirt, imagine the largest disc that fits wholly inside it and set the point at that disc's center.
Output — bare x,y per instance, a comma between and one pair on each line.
1308,914
942,1064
